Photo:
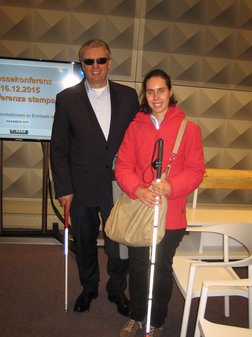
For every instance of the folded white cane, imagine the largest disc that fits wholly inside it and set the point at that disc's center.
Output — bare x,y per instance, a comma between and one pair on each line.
66,256
154,238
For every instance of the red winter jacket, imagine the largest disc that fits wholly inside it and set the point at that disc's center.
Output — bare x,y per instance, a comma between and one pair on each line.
133,166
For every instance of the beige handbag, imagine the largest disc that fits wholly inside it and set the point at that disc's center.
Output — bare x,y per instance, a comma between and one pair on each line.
131,221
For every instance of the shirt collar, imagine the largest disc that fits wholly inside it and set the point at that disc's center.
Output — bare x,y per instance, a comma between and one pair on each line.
92,90
155,121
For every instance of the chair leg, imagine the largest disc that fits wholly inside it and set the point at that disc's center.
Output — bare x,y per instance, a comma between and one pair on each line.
250,307
226,259
195,197
201,309
188,301
185,318
226,306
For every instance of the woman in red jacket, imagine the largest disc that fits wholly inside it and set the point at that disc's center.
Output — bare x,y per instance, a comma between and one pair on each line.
159,117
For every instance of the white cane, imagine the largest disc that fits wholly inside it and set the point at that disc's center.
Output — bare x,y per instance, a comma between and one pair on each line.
154,239
66,257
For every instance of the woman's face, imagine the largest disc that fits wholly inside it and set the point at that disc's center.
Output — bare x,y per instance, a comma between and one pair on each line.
158,96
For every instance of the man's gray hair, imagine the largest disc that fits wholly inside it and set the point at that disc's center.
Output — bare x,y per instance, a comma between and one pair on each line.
95,43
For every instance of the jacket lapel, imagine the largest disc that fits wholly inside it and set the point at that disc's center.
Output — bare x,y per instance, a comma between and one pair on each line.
115,107
86,106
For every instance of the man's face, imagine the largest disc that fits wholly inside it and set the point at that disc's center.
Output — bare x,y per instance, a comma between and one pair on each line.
96,74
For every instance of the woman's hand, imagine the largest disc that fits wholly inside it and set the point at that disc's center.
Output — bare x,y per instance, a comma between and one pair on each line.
148,197
162,187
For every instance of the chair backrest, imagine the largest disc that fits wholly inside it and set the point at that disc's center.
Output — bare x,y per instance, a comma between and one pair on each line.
241,232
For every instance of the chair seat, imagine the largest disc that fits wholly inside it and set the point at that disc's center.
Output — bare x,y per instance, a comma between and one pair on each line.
181,267
209,329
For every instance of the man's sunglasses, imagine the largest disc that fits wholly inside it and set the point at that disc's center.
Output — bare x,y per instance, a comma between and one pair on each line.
90,62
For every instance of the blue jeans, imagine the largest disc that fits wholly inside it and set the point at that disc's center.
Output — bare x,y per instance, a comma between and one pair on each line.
163,278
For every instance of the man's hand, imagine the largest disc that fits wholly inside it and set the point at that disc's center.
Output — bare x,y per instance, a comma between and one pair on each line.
66,200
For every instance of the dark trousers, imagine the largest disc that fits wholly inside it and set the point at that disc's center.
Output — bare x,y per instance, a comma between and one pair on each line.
85,224
163,278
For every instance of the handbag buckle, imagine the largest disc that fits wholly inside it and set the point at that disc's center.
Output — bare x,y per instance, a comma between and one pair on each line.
171,159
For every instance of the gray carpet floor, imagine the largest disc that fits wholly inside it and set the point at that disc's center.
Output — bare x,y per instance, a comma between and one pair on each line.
32,298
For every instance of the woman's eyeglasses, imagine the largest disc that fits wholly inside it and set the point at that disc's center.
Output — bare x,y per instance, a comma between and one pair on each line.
90,62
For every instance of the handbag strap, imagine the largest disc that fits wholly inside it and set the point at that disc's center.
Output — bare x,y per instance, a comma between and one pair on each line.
176,145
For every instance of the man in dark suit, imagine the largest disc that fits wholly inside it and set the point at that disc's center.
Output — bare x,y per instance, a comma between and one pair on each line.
89,124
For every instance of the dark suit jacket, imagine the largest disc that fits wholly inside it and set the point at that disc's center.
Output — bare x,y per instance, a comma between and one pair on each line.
81,158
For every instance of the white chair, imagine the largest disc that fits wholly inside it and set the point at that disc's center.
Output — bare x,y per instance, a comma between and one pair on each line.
204,327
190,274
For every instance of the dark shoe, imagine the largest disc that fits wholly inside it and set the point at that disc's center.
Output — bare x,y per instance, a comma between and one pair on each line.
83,301
122,303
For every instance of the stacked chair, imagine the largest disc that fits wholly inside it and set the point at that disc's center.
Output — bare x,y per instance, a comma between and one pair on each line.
204,327
190,274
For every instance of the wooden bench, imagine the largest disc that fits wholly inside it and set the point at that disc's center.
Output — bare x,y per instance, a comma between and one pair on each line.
224,179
